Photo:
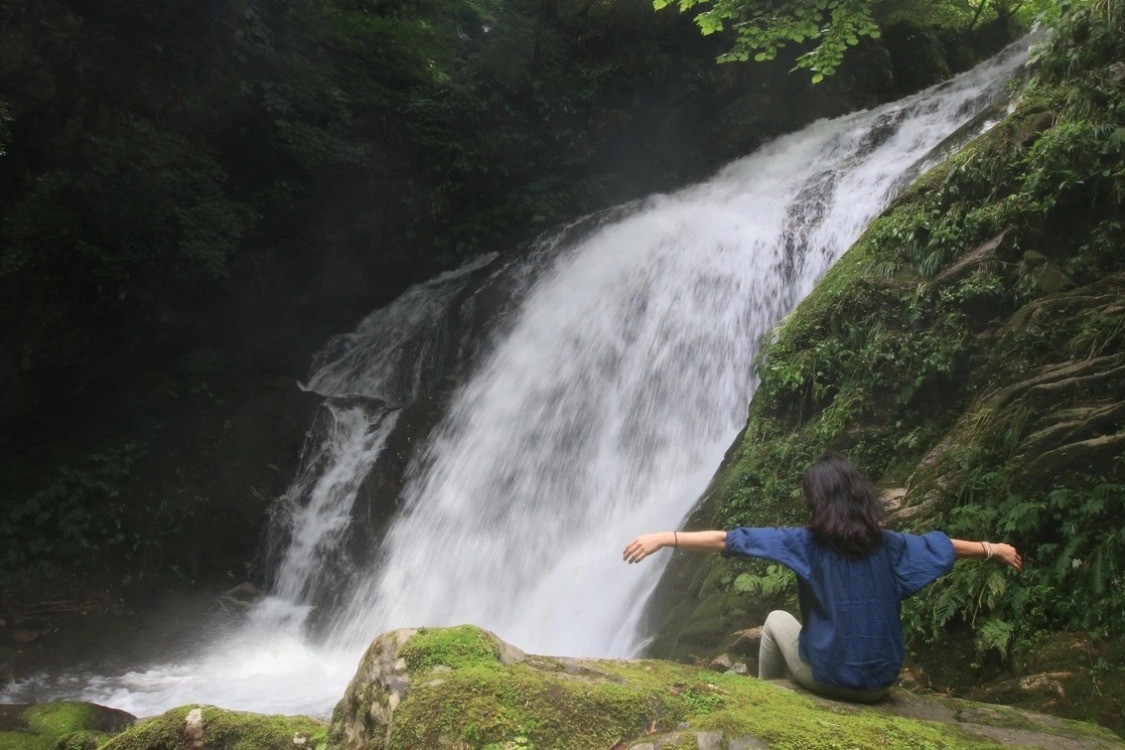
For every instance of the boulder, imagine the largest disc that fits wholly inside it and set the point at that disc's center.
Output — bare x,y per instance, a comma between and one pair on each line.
462,687
209,728
65,725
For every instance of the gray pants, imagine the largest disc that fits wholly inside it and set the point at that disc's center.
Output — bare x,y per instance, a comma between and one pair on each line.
778,655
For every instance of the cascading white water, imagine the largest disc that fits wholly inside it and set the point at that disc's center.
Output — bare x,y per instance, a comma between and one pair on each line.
318,506
600,410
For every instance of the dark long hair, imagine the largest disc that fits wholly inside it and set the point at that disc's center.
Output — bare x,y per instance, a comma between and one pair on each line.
846,512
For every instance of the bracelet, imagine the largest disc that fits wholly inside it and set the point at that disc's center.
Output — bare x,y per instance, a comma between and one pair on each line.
988,550
675,540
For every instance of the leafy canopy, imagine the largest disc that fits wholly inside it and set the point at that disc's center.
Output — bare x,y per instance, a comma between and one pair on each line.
762,27
826,29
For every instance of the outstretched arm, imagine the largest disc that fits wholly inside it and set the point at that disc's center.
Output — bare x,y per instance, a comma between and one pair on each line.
697,541
1005,553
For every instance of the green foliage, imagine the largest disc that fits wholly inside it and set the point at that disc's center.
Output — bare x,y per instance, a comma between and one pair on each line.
777,579
824,30
198,156
1073,544
519,742
1088,35
825,370
769,585
1072,158
763,28
245,145
148,205
79,512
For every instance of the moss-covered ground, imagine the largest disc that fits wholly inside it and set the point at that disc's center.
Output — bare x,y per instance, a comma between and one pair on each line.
462,694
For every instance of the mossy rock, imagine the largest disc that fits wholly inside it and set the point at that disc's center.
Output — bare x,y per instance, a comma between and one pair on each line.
210,728
458,688
65,725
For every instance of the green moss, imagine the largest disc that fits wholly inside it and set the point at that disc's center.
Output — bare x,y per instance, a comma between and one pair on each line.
550,704
83,740
57,718
54,726
25,741
223,730
450,647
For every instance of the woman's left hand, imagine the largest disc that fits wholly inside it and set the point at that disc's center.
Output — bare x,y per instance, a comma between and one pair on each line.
1007,554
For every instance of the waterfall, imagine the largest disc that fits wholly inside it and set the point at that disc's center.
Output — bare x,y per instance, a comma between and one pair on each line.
598,380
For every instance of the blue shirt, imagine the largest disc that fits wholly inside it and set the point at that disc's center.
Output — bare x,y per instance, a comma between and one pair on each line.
852,633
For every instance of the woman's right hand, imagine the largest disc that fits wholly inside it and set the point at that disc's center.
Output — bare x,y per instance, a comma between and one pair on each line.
645,545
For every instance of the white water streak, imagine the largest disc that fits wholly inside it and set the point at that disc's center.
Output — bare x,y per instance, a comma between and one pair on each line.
318,506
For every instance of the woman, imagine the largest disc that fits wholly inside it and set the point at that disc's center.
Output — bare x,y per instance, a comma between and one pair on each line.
851,577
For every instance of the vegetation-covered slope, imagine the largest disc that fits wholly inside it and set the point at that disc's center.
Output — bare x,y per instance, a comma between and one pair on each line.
967,354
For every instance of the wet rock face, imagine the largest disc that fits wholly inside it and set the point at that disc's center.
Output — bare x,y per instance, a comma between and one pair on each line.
363,717
1068,402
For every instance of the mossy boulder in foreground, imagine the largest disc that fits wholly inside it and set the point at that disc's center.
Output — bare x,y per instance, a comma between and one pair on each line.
211,728
64,725
461,688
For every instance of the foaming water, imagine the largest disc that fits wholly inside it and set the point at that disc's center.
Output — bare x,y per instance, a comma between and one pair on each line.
594,406
267,665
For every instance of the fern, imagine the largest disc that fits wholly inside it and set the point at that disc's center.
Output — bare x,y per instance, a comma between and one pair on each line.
996,634
1074,541
996,585
777,579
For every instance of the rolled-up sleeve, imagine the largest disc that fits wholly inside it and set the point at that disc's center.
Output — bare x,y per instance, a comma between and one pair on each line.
788,546
921,560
